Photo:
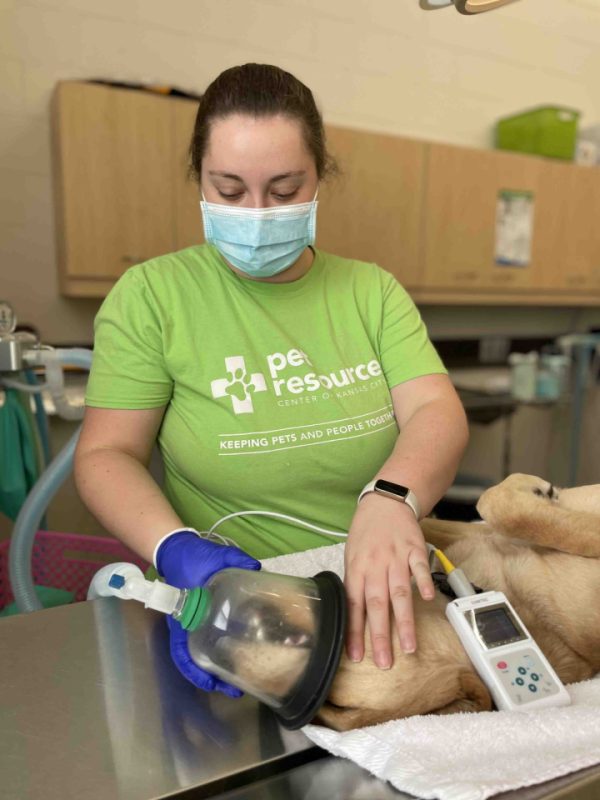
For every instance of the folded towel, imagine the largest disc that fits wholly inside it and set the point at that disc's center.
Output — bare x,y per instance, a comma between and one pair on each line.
462,756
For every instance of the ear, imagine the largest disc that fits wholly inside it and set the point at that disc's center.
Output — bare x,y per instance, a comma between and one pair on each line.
472,696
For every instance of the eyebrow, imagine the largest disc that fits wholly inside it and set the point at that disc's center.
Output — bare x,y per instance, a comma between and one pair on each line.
274,179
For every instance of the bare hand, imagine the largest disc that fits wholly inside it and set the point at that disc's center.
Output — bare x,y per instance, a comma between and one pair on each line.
385,547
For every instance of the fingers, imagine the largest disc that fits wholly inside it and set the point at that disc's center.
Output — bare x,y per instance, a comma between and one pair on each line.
183,661
372,591
227,688
234,557
419,566
355,635
378,614
189,669
401,600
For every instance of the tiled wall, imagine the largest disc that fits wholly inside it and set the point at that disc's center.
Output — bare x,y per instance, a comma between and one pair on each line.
375,64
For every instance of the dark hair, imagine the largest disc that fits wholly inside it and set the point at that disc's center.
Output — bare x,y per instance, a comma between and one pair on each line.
260,90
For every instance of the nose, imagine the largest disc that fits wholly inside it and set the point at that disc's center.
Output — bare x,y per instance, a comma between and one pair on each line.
256,198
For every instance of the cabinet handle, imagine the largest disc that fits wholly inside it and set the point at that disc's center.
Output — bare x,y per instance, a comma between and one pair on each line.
503,277
132,259
577,280
465,276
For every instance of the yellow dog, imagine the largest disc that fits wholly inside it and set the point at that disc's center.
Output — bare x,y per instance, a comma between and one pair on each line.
541,547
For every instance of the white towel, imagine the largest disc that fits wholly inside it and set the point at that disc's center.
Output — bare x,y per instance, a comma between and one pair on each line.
462,756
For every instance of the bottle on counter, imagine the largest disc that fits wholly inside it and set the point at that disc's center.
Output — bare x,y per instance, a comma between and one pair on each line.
524,368
553,376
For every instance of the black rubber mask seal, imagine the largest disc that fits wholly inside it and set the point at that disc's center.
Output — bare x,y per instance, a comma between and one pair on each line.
309,696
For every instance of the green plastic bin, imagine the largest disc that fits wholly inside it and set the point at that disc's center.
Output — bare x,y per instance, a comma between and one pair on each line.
545,131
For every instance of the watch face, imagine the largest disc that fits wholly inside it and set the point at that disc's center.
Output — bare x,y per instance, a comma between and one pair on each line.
391,488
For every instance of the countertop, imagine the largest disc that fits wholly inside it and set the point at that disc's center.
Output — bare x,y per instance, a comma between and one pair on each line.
93,708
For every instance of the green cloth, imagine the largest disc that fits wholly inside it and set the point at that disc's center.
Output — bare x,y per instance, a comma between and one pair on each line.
277,394
48,597
19,467
25,400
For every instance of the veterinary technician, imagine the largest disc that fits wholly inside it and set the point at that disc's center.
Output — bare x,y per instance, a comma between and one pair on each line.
273,375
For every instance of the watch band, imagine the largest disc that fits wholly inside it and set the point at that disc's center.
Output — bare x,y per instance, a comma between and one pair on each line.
394,490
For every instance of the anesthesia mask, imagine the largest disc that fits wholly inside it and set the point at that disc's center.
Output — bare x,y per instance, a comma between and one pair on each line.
277,637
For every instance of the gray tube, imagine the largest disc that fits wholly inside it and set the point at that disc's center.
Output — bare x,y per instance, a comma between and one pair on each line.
38,499
27,524
583,355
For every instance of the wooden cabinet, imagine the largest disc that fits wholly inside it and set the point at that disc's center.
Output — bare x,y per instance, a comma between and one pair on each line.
460,218
372,210
425,212
118,182
188,218
460,209
576,241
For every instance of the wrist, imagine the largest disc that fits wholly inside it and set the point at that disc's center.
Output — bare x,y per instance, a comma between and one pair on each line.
395,492
161,546
377,502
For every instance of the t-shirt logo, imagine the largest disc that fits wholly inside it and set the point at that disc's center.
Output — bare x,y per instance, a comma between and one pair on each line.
238,385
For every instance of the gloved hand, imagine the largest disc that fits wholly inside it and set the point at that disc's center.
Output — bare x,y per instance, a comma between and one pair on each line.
186,560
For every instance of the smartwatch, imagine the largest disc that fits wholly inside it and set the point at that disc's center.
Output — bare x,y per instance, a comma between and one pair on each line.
394,490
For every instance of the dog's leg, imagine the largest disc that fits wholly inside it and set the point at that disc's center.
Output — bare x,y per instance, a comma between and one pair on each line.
442,534
473,696
522,507
346,719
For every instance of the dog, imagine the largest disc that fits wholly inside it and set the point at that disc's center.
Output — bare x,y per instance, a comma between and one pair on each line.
537,544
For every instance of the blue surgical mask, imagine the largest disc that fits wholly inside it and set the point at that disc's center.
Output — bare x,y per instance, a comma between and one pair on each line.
260,241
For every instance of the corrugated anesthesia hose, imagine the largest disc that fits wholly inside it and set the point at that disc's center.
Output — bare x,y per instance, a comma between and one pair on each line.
40,496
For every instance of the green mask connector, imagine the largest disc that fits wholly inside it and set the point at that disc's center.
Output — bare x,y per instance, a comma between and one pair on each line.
195,609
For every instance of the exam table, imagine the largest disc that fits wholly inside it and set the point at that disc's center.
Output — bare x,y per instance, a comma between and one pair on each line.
92,708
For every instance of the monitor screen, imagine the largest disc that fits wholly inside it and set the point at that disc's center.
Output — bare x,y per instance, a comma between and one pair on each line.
496,626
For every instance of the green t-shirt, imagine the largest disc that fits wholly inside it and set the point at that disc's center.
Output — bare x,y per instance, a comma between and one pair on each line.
277,394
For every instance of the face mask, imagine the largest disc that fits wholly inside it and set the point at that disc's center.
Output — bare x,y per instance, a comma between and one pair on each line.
260,241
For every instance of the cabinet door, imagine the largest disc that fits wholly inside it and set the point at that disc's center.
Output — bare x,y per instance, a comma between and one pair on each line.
576,257
115,200
187,196
371,211
461,214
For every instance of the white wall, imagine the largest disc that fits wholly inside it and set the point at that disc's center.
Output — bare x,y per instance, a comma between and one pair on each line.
375,64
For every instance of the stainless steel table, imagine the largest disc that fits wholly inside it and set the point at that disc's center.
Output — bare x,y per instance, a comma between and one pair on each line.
91,708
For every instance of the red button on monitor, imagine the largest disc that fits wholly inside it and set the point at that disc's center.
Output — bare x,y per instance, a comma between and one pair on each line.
502,665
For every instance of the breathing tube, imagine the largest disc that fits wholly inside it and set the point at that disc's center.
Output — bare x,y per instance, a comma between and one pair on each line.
38,499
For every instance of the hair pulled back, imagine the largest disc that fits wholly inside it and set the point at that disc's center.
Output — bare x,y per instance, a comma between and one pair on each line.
260,90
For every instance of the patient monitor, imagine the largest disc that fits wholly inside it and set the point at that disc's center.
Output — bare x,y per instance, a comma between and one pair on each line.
508,660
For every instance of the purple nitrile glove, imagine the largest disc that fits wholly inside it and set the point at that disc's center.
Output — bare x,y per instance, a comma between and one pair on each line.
186,560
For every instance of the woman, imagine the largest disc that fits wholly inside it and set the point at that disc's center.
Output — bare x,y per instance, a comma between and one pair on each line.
274,376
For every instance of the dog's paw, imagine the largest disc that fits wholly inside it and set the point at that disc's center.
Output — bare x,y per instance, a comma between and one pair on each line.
504,503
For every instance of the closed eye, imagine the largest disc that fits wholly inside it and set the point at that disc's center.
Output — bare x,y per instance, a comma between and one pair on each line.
285,196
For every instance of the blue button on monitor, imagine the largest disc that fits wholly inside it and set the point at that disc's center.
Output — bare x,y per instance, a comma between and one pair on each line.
532,687
522,670
535,676
520,681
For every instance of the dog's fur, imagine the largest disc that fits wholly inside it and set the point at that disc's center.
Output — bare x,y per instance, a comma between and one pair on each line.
538,545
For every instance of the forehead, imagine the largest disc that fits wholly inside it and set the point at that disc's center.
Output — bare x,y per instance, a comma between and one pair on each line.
243,144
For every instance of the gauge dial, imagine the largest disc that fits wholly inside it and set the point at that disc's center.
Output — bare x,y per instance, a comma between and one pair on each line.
8,320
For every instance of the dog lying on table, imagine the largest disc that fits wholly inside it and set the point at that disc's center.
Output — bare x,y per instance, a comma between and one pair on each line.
541,547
